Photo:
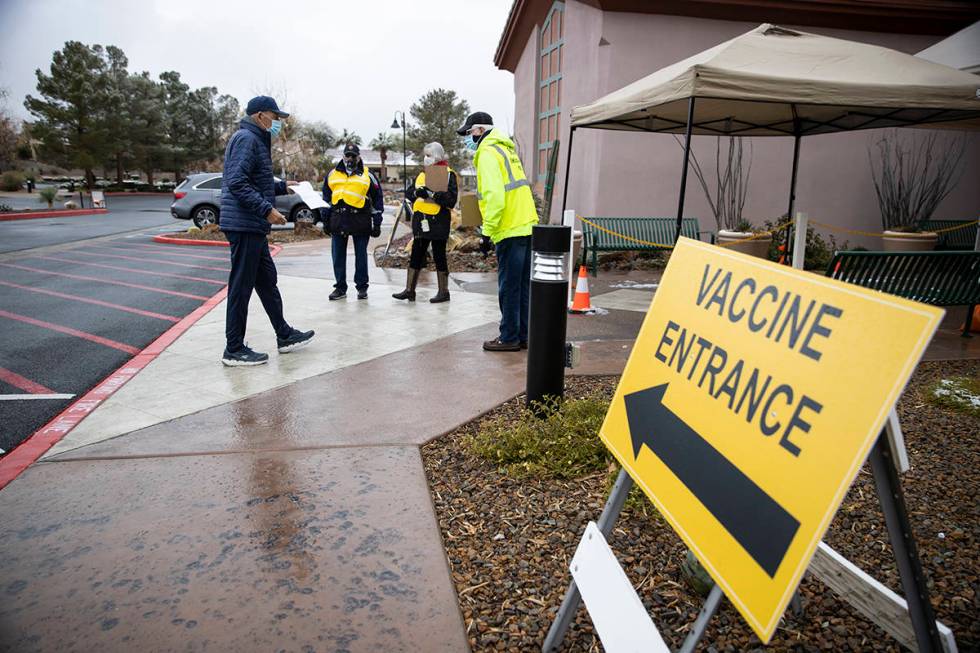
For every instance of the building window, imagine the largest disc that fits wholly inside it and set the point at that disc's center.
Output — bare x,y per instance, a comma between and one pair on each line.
549,85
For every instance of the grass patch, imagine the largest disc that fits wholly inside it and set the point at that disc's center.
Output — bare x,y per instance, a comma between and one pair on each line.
959,393
562,444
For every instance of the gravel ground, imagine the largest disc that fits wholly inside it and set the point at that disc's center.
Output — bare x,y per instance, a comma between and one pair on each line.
509,540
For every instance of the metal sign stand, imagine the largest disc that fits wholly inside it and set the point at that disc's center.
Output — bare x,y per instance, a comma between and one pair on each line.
892,500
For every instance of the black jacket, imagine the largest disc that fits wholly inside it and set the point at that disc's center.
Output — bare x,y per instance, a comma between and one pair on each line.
440,222
344,219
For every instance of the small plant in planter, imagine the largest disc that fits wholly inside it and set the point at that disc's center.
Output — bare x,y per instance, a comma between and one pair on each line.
910,180
48,195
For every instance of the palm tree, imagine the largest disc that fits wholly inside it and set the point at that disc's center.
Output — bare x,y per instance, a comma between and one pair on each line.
348,136
382,143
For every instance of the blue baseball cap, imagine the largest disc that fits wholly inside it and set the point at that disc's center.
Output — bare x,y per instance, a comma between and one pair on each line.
264,103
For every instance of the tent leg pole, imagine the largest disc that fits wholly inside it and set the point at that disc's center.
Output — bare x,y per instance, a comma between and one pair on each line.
687,157
788,247
568,171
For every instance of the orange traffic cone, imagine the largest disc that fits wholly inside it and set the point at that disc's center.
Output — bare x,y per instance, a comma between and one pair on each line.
581,303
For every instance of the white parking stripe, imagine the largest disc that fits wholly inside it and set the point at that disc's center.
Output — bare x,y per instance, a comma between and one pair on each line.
32,396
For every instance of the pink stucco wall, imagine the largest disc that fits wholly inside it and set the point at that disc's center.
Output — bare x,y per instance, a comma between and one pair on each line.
617,173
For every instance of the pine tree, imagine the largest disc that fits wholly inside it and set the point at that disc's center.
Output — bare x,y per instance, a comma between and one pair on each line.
437,115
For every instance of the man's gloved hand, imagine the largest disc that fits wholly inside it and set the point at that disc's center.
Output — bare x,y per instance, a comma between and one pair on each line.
376,231
486,245
422,192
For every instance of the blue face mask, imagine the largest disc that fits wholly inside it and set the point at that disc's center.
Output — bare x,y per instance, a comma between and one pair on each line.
471,143
275,128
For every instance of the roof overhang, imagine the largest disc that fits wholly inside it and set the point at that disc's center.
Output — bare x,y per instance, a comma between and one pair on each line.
939,17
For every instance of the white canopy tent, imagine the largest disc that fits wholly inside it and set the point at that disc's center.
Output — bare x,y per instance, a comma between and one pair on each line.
774,81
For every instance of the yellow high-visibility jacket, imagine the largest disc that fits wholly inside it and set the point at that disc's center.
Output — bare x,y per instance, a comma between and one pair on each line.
503,190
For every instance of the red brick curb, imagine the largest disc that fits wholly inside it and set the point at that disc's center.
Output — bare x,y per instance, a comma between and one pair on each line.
33,215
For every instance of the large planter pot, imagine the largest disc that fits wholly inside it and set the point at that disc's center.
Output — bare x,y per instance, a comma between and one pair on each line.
901,241
757,247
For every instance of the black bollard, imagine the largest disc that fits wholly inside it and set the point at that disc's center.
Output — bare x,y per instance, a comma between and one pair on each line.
548,314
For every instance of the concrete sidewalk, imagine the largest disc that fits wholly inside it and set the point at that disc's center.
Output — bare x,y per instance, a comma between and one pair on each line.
283,507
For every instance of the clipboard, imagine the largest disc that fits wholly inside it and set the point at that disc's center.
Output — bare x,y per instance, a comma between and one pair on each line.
437,178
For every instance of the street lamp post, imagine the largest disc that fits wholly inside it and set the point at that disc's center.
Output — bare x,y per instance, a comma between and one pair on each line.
395,125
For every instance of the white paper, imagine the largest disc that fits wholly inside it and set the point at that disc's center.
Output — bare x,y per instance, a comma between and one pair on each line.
623,624
310,196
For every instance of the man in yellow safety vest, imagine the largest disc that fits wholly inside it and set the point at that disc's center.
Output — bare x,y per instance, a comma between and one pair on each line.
355,206
505,199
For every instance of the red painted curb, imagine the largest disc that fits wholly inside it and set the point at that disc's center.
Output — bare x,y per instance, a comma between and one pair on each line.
28,451
170,240
33,215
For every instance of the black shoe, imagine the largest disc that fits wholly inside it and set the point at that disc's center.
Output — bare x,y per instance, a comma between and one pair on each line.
295,340
523,344
337,294
362,294
496,345
244,357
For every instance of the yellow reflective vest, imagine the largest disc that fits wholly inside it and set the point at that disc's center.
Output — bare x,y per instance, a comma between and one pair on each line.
426,206
503,189
352,189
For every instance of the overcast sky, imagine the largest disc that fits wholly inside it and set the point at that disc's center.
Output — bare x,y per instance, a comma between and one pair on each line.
351,63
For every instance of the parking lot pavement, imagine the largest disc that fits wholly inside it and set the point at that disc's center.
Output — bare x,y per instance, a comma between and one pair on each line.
69,318
126,214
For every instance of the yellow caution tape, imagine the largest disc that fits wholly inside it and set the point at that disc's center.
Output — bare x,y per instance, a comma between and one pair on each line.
757,236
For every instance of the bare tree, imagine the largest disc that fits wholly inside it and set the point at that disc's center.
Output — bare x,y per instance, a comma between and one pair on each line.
911,180
726,197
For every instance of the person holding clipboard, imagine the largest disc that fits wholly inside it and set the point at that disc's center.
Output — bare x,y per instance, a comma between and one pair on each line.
433,196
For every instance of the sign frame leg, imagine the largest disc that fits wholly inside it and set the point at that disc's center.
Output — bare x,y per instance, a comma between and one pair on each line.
904,549
701,623
570,604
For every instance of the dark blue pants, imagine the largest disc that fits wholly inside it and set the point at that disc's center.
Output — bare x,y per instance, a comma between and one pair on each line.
251,268
514,287
338,247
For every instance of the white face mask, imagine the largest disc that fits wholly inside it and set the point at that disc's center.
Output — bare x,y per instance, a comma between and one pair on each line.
428,160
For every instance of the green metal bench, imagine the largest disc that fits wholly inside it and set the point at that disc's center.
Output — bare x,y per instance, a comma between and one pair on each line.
963,238
627,231
937,278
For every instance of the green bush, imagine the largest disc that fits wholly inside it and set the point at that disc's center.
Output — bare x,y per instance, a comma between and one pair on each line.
563,443
48,195
818,251
11,180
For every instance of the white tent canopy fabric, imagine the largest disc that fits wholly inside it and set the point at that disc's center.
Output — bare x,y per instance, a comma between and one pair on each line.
961,50
774,81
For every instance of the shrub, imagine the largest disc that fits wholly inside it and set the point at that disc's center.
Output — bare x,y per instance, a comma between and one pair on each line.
11,180
48,195
818,251
563,443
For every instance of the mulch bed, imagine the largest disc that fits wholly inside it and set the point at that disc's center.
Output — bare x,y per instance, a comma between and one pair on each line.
508,541
277,236
458,261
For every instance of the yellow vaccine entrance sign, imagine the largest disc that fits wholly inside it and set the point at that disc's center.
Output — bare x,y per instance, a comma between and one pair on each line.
751,399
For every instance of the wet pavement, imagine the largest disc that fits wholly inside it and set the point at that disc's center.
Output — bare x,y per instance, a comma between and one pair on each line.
283,507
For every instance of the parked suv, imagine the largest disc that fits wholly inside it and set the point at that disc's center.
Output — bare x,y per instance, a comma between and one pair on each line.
198,197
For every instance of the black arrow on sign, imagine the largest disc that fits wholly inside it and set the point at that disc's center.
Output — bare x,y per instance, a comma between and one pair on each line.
760,525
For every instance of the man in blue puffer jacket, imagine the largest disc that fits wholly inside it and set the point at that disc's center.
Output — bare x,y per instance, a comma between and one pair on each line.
248,194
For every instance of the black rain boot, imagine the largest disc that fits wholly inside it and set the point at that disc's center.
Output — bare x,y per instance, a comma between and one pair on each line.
410,283
443,294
